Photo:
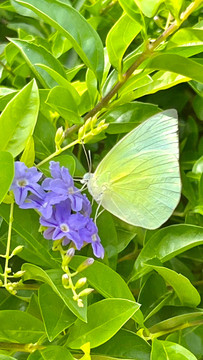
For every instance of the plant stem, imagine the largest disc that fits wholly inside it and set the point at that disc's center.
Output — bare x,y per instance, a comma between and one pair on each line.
147,53
21,347
7,257
58,152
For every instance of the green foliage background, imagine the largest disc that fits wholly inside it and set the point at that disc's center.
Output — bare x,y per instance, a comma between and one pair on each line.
120,62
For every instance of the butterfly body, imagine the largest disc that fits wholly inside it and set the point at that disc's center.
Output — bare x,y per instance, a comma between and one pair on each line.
138,180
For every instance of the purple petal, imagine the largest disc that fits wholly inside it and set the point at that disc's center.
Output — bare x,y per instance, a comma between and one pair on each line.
98,249
20,195
55,169
58,234
48,233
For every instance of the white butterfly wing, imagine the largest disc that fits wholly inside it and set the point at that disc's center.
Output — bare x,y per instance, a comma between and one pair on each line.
138,181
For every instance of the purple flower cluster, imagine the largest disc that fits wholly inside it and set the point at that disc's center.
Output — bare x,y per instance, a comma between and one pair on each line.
65,212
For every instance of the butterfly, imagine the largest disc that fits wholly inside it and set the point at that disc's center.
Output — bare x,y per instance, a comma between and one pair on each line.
138,181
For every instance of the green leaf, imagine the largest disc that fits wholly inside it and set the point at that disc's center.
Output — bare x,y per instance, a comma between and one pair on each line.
26,224
18,119
166,350
186,292
35,54
174,7
167,243
119,38
186,37
71,24
125,117
125,345
109,283
177,64
131,9
51,352
176,318
6,176
191,339
105,318
6,357
28,155
18,326
56,315
63,100
161,80
148,7
54,279
55,352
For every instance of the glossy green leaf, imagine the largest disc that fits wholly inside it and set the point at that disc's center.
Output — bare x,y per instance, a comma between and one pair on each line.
125,345
186,292
171,318
109,283
119,38
53,278
148,7
166,350
60,79
167,243
18,326
71,24
177,64
35,54
186,37
175,7
28,155
104,319
64,101
26,225
44,134
56,315
18,119
191,339
51,352
6,176
125,117
6,357
161,80
131,9
55,352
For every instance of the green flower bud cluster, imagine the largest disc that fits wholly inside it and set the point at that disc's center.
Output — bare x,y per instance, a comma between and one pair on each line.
67,277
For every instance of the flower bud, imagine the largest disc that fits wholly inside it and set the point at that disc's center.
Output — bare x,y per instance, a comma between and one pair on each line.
59,137
19,273
80,303
17,250
65,280
85,264
85,292
81,282
69,255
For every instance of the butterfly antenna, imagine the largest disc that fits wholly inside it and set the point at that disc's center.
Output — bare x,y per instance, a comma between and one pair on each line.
86,155
90,161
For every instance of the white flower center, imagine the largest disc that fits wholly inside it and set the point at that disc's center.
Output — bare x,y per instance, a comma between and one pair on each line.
64,228
94,237
22,182
71,190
